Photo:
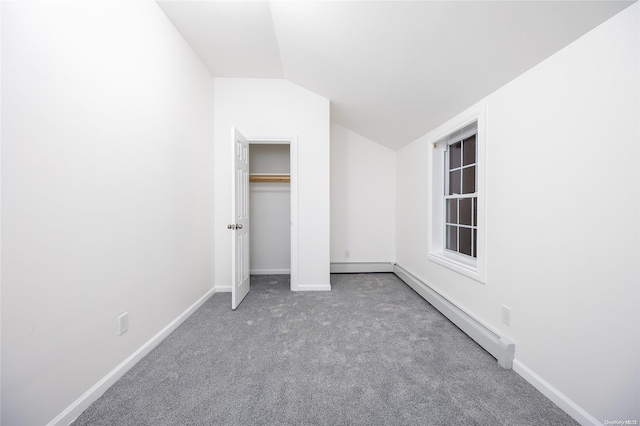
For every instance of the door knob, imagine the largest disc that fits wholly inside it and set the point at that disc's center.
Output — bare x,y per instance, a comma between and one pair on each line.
231,226
239,226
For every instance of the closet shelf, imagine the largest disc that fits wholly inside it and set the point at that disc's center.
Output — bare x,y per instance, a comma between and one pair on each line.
262,177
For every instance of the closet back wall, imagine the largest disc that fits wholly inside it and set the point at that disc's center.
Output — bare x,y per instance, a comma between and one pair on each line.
270,211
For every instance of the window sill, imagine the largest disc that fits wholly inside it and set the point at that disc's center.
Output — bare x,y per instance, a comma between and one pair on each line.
460,264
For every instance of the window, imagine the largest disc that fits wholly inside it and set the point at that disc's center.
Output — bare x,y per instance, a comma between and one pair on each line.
457,231
461,199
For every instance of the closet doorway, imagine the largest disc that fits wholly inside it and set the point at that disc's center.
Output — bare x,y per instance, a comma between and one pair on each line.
273,208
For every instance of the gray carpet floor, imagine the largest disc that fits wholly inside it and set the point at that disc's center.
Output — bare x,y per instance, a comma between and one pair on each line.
369,352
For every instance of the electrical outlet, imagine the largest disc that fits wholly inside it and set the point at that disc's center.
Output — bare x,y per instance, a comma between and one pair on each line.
123,323
347,254
506,315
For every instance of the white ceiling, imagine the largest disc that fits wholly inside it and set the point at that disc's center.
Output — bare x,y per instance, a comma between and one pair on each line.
393,70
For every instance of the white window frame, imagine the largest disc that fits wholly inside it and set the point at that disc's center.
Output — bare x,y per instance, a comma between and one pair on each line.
437,139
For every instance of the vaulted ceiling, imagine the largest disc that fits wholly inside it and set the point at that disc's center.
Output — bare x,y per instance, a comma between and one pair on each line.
393,70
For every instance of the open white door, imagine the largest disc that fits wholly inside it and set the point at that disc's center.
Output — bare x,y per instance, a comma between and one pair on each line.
240,215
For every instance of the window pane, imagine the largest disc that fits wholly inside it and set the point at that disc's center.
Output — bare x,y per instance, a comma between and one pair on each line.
469,180
475,243
452,211
469,150
475,211
465,211
454,182
455,155
452,238
465,241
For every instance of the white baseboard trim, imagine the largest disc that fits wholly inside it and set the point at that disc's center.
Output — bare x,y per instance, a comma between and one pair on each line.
500,347
89,397
557,397
307,287
360,267
270,271
314,287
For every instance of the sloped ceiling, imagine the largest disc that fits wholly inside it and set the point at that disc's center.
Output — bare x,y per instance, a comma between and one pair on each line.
393,70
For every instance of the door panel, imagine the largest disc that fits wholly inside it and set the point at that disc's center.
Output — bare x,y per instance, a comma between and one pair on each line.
240,214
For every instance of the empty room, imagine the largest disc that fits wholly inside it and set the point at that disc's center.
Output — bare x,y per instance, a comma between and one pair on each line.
319,212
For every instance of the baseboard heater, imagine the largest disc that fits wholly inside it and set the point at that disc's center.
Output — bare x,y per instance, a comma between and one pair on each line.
499,347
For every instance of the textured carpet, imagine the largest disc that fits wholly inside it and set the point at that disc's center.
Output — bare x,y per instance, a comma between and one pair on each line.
370,352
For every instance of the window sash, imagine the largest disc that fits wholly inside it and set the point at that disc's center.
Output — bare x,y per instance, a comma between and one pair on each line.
456,196
447,170
473,227
446,225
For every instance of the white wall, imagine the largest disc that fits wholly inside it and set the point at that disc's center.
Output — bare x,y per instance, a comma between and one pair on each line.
269,158
0,214
107,193
562,220
270,212
269,107
363,192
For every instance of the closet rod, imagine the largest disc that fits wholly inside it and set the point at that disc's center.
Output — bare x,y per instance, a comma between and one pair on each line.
269,178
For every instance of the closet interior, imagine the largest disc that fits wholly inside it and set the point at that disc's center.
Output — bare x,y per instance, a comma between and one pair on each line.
270,208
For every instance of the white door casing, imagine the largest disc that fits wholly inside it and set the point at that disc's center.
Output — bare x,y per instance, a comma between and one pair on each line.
240,214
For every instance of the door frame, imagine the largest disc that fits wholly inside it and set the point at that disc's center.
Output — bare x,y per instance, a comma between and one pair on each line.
292,141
